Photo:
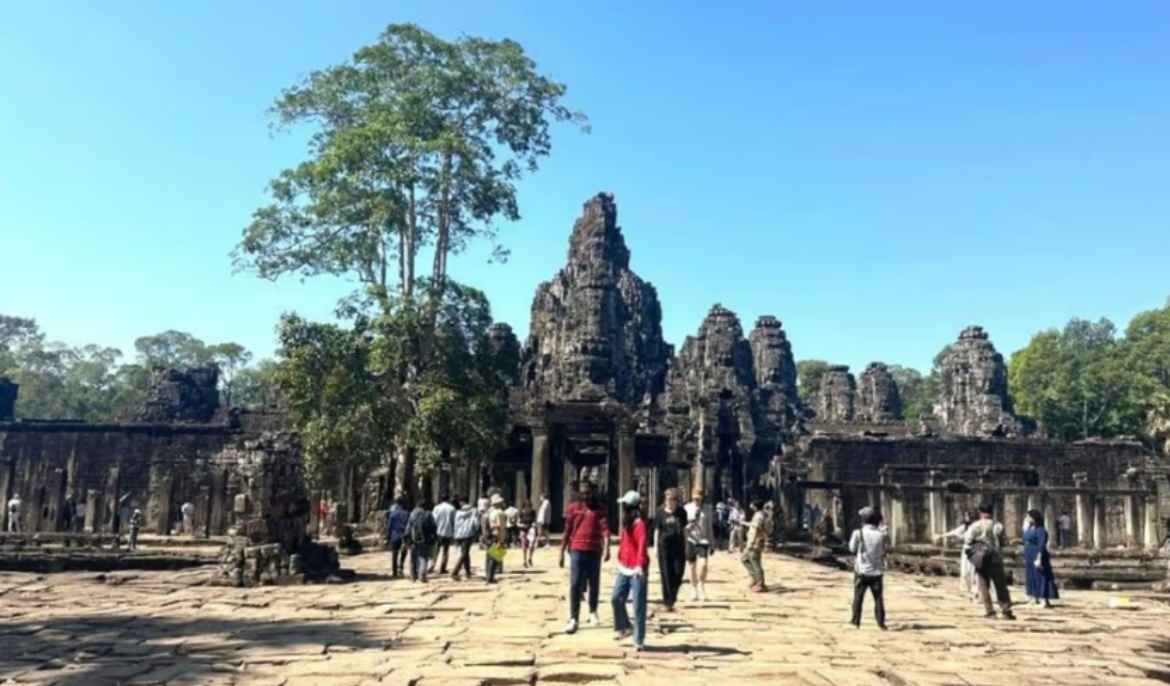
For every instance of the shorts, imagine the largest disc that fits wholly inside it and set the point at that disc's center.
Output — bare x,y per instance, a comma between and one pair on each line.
697,550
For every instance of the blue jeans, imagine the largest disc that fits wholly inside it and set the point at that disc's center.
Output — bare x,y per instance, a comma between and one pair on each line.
623,587
584,570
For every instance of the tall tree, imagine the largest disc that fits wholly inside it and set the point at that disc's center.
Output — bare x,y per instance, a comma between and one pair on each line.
231,358
808,378
172,349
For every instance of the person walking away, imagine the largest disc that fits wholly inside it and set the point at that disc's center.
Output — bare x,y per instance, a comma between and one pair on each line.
700,534
512,517
14,515
1064,530
968,586
1041,582
444,514
421,531
465,531
736,522
544,519
497,533
759,532
527,519
396,521
670,540
136,519
868,544
587,540
633,570
188,512
984,539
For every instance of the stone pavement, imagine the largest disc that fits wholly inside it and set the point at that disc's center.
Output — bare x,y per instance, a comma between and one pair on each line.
165,628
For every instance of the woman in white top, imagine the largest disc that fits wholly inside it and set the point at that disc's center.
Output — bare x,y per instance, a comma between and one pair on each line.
967,583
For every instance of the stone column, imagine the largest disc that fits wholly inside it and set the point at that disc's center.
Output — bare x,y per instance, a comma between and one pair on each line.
1151,523
540,463
1050,516
899,531
1132,507
1084,515
626,458
1098,522
93,508
938,524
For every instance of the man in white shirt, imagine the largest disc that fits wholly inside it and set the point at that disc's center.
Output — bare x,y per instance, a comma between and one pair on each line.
1064,530
512,520
14,514
188,510
543,519
869,545
444,514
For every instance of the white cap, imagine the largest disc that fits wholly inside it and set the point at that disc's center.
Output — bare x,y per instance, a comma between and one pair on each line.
631,499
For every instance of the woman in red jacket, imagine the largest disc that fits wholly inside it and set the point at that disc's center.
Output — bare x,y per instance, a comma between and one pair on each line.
633,564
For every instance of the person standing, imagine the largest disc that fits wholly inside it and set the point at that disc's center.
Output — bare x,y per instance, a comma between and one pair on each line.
79,517
444,514
700,534
135,525
188,512
633,569
497,525
527,519
396,521
1064,530
720,525
465,532
423,536
14,515
968,587
735,520
68,512
670,540
759,533
868,544
587,540
544,519
1041,582
984,538
512,519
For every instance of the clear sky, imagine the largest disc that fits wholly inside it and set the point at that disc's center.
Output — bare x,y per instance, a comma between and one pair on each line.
876,176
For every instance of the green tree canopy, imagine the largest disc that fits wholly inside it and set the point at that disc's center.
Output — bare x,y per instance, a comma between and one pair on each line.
808,378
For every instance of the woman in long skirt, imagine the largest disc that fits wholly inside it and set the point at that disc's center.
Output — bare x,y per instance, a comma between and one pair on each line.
1038,563
967,580
670,539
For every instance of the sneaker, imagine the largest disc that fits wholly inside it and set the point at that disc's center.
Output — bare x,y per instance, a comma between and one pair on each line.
571,627
594,620
703,592
694,594
1007,614
638,647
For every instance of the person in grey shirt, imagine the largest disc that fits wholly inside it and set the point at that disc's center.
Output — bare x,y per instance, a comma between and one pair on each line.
444,514
869,545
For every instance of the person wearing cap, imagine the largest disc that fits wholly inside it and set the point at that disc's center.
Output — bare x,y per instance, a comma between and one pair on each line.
869,545
587,539
984,539
496,533
700,537
633,571
759,532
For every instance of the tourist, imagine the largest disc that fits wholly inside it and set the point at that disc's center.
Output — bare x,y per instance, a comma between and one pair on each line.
670,540
984,538
188,511
544,519
587,540
1041,583
512,520
527,519
14,514
633,571
465,532
396,521
1064,530
444,514
868,544
968,586
135,525
735,519
495,538
79,517
759,532
68,512
720,525
421,531
699,536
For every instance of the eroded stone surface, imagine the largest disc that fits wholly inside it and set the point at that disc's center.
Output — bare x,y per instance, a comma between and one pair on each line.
973,398
181,395
836,397
160,628
878,400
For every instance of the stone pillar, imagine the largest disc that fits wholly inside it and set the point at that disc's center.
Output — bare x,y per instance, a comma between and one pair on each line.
1050,516
540,463
626,458
1098,522
938,524
1084,516
899,530
1132,507
838,510
1151,523
93,510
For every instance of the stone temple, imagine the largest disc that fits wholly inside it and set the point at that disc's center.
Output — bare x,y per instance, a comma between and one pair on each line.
599,394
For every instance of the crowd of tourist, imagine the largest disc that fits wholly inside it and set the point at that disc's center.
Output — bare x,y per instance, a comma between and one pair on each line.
686,536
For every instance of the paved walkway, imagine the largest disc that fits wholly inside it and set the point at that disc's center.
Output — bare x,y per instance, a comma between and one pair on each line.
160,627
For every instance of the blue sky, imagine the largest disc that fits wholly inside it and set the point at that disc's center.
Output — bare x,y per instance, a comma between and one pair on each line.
877,176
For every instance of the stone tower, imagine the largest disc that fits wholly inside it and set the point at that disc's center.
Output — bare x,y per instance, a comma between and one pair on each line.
878,399
973,395
836,397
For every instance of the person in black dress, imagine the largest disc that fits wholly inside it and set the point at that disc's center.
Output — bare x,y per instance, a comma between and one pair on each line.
671,541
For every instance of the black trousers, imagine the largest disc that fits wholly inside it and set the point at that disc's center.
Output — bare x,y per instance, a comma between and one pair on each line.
672,563
441,554
874,584
464,560
397,557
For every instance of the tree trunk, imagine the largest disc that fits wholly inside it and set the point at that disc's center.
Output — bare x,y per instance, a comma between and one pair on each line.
405,484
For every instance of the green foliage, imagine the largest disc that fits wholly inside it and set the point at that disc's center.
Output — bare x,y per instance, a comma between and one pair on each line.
172,349
917,392
417,141
256,386
808,378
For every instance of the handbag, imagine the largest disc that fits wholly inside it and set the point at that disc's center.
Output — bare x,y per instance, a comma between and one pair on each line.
977,554
497,552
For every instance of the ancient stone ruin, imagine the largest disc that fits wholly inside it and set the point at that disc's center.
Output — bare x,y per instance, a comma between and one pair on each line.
878,400
974,397
837,395
182,395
